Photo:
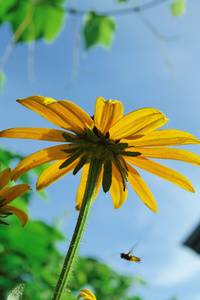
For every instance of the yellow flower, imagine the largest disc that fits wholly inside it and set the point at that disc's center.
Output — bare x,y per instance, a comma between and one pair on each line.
8,194
119,142
87,295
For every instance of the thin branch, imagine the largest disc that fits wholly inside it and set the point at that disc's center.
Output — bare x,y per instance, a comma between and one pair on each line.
30,61
161,40
26,23
155,31
114,12
120,12
16,35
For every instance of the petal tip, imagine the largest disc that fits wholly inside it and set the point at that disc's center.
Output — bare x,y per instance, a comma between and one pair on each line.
78,207
155,210
24,223
14,177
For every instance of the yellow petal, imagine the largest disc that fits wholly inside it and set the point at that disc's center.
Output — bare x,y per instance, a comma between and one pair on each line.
82,186
116,190
40,105
4,177
39,158
9,194
73,115
87,295
107,113
48,101
161,171
18,212
53,173
43,106
166,137
81,295
32,133
169,153
141,188
138,122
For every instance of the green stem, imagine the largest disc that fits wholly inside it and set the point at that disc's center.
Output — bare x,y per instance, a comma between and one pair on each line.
93,175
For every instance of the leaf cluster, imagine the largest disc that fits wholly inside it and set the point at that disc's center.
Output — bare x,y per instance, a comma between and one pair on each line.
32,20
29,256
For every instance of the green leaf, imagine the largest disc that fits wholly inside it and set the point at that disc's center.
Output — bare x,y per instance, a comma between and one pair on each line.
6,6
29,255
98,29
34,233
178,7
16,293
31,20
48,21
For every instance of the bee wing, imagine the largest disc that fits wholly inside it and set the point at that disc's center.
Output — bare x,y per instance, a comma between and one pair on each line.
133,248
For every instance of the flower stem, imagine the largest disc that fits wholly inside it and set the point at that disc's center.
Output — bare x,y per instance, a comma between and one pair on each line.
93,175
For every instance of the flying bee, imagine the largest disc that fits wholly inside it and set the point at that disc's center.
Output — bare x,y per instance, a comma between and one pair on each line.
129,257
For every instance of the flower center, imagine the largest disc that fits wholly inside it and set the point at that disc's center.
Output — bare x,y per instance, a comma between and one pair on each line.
93,144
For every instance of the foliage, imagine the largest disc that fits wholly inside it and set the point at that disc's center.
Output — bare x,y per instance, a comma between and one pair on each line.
32,20
7,157
178,7
35,19
106,283
29,256
98,29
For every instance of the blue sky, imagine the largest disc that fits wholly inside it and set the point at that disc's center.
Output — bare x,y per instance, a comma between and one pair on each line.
133,71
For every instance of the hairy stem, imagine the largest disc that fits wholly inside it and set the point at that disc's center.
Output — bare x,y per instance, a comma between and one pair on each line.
93,175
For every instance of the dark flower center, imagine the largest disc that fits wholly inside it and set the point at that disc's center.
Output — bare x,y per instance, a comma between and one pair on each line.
93,144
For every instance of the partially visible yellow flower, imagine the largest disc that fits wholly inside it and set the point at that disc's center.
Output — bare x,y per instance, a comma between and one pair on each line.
118,142
8,194
86,295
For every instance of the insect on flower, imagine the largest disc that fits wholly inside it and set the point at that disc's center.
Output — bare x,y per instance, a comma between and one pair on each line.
129,257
